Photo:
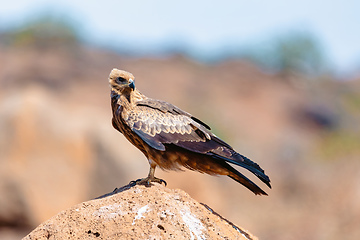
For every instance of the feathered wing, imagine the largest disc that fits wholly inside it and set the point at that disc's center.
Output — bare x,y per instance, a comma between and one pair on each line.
159,123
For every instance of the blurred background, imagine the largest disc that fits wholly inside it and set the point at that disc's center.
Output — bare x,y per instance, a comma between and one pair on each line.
279,81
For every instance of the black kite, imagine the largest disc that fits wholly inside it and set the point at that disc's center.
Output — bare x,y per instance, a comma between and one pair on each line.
172,138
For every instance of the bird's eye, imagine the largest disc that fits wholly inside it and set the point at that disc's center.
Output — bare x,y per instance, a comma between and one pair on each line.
120,80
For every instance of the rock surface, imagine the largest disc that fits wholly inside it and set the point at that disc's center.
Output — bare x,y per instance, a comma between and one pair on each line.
139,212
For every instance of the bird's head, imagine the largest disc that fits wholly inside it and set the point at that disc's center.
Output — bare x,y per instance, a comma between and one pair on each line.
121,81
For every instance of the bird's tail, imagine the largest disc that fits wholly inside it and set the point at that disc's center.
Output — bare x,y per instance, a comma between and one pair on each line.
246,163
240,178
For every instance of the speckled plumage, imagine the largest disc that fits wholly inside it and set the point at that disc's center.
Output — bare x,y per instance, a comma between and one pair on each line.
172,138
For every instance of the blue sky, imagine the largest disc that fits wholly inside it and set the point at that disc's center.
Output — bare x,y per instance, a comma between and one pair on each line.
205,26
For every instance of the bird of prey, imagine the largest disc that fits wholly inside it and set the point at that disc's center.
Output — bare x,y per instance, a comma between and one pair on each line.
172,138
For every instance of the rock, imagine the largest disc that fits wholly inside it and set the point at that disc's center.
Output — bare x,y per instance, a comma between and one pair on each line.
139,212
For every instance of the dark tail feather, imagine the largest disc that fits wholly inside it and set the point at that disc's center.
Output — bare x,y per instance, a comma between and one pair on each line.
240,178
246,163
256,169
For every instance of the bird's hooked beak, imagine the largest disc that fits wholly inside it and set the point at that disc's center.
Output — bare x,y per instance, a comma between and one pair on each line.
132,84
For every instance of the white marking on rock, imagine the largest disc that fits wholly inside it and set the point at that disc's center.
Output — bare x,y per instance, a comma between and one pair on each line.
140,213
166,213
110,211
194,224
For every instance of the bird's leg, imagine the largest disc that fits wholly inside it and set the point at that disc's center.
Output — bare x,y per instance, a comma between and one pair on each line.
150,178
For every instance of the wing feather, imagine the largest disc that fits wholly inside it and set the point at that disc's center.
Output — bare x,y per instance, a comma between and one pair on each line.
167,107
159,123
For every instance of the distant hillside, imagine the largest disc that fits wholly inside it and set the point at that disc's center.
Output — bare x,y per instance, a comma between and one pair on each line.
58,147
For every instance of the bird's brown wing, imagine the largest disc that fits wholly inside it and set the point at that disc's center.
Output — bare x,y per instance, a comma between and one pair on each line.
157,124
166,107
160,123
